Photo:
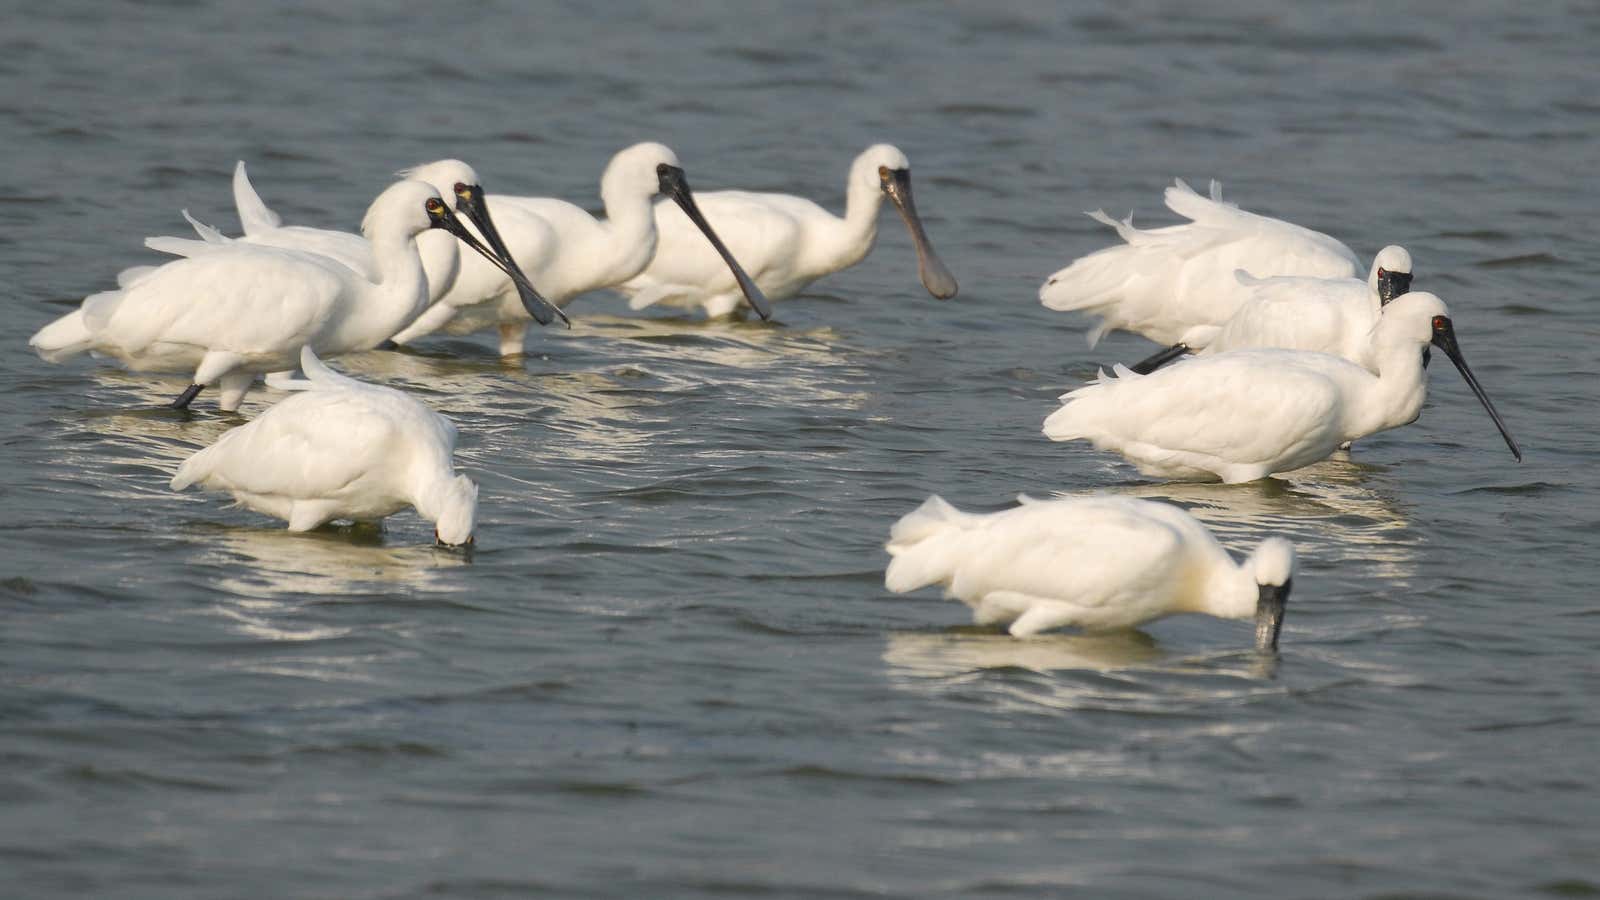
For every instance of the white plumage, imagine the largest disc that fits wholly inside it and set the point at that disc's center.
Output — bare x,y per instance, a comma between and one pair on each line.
1248,414
340,449
1328,315
1092,563
784,242
233,310
1164,281
567,251
262,226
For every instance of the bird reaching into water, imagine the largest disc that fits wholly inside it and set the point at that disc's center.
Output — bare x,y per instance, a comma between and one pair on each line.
1093,563
339,448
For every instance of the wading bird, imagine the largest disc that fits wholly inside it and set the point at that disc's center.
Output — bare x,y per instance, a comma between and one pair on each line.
1093,563
784,242
341,449
1328,315
568,252
1248,414
235,310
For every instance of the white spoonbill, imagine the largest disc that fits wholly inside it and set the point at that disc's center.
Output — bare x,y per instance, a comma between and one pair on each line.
1094,563
341,449
569,252
1247,414
785,242
440,252
237,309
1328,315
1164,281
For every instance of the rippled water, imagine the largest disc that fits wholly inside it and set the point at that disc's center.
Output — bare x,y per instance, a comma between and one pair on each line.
671,668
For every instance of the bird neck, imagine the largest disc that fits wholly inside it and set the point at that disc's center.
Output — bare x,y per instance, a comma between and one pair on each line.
432,492
627,238
400,291
1394,396
1230,592
854,235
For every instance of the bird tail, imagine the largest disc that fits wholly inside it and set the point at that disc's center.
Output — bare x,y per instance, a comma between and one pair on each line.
210,238
923,543
74,333
1183,200
1073,420
254,215
195,469
1101,282
318,375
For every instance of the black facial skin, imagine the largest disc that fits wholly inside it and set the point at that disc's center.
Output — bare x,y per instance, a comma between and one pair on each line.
935,277
1444,337
674,185
1392,285
470,201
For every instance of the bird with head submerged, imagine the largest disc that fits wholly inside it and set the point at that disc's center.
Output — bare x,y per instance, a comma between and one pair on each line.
785,242
1093,563
339,448
234,310
1247,414
567,251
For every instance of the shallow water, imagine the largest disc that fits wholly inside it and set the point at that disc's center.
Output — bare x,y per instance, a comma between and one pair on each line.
671,668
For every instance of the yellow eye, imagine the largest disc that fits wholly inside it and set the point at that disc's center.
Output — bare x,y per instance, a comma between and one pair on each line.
434,205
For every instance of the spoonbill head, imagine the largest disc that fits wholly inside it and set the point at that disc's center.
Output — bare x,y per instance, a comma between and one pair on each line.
786,242
1246,414
1093,563
454,178
893,171
1391,273
453,505
339,448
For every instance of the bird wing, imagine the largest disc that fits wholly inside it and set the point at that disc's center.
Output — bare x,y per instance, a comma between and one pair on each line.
1246,407
1294,313
1087,552
1162,281
309,445
1277,247
247,299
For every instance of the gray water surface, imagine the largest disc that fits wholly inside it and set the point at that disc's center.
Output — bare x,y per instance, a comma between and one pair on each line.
670,668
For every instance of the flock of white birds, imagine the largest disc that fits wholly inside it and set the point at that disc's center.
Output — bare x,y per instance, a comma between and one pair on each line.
1281,349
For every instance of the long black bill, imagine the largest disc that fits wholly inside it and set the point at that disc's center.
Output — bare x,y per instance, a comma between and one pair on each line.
1444,337
1160,358
470,200
1270,605
930,268
674,185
